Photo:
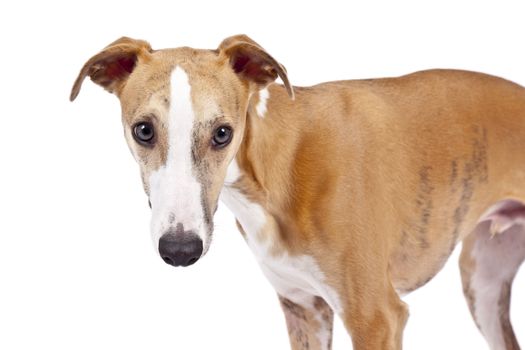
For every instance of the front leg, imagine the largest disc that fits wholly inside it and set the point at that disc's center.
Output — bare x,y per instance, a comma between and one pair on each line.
374,315
310,326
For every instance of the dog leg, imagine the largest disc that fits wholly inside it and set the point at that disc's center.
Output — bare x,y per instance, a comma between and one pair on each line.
310,328
488,265
375,317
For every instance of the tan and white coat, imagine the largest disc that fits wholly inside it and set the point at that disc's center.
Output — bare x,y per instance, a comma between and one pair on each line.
349,193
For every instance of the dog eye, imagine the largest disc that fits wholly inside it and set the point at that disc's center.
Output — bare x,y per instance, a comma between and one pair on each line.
222,136
144,133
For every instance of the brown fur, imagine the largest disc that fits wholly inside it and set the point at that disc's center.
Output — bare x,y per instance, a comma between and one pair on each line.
377,180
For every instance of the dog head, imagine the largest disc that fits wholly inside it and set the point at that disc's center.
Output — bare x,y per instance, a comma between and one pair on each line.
184,116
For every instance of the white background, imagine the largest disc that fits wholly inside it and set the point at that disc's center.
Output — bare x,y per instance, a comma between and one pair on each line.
77,267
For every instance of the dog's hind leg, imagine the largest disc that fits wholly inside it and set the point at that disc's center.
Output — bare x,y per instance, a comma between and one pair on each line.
488,263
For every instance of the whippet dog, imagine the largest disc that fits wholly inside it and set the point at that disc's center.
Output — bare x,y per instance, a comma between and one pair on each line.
349,193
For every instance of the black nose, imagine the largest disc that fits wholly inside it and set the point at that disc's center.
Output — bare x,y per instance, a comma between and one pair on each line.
181,248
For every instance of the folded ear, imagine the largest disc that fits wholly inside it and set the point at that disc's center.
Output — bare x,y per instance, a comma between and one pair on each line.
111,67
250,61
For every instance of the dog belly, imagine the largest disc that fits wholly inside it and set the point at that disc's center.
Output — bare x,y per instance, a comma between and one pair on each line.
412,267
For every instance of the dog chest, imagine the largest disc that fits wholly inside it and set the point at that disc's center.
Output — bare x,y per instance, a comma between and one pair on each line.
297,278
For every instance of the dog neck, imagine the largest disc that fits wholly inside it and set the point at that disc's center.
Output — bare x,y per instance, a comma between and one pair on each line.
265,157
261,175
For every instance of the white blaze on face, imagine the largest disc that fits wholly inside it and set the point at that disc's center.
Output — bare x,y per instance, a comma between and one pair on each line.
175,192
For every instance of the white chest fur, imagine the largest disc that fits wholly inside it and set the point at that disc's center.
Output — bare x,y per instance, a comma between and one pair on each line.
297,278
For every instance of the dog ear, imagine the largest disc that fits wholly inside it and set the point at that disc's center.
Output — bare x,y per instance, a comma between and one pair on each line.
250,61
111,67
